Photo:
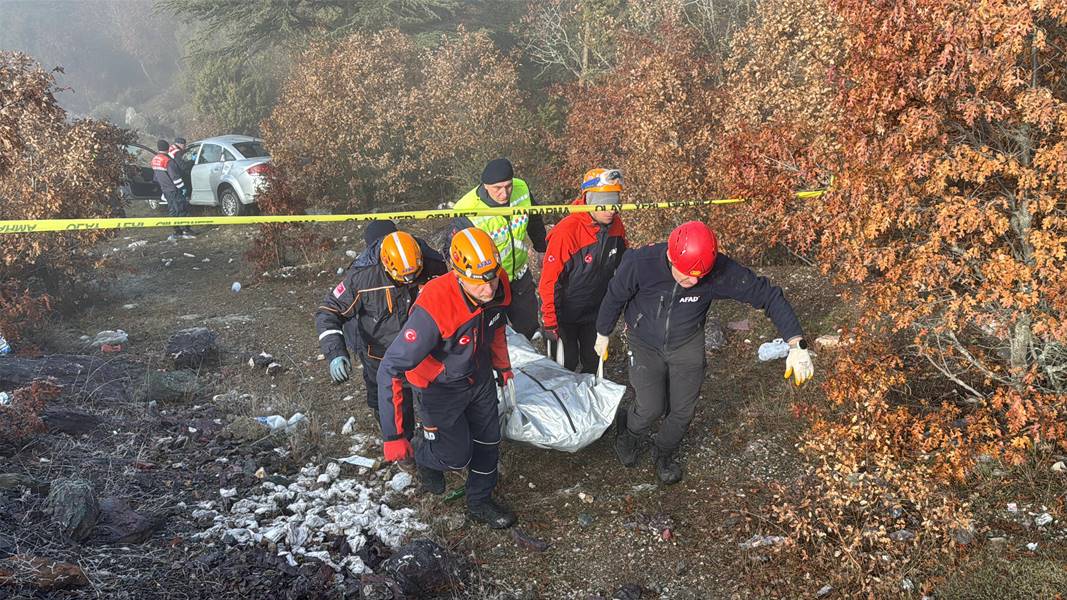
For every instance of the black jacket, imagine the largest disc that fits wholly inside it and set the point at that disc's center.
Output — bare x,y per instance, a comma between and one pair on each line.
368,309
663,314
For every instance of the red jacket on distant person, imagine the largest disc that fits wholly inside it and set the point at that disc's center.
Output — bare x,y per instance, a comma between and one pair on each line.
581,258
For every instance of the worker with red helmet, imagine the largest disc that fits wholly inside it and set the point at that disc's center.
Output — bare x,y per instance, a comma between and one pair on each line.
584,249
451,346
665,291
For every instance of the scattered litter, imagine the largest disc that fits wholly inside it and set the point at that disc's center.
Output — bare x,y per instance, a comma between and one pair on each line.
137,244
586,498
235,287
167,261
5,348
274,368
401,481
229,261
761,540
1013,507
261,360
350,253
206,260
129,306
360,461
303,521
261,473
775,350
1042,519
187,255
1032,546
828,341
5,399
112,348
108,336
349,426
340,270
228,493
278,422
824,590
1058,467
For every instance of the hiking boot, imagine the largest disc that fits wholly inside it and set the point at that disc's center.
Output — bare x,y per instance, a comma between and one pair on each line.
668,471
492,513
431,480
627,447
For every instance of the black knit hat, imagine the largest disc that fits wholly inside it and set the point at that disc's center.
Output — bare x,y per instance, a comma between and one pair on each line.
376,230
180,141
498,170
162,145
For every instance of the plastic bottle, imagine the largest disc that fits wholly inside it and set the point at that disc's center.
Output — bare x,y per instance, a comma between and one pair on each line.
5,348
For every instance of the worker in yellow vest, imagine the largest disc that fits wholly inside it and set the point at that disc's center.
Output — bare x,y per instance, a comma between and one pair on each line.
500,187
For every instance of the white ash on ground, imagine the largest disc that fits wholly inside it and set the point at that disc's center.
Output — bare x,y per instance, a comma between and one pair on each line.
305,518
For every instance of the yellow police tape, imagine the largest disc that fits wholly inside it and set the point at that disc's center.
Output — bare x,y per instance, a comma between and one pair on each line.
47,225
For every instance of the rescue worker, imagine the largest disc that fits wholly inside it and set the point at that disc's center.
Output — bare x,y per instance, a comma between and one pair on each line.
450,347
500,187
665,291
584,249
168,174
368,308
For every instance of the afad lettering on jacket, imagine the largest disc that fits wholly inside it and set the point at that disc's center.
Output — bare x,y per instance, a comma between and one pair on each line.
339,290
495,318
689,299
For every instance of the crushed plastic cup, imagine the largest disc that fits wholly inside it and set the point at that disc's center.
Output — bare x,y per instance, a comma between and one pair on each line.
774,350
5,399
275,422
236,287
5,348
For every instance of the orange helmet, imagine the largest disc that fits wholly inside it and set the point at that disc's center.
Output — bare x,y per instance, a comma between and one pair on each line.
401,257
474,256
602,180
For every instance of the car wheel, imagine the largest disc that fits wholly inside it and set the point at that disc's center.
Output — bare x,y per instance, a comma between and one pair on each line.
229,204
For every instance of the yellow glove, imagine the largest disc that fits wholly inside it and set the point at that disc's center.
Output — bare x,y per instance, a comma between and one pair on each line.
798,364
600,346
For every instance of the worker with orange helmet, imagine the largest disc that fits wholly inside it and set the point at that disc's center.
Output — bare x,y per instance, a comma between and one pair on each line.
451,347
584,249
665,291
369,307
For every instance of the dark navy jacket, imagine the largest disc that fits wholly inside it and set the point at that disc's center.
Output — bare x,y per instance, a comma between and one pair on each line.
449,343
663,314
367,308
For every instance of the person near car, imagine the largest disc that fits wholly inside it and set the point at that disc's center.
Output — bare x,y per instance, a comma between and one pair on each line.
368,308
453,351
168,174
584,250
665,291
499,187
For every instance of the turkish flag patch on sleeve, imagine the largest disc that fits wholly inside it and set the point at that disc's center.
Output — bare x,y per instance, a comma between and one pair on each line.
410,335
340,289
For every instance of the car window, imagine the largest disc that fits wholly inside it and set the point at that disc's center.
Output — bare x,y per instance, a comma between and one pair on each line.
227,156
251,149
190,154
142,157
212,154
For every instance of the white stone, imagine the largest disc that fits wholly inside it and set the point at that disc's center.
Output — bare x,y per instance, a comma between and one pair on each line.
400,481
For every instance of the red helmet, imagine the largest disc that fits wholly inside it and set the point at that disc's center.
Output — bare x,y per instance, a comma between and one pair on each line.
692,248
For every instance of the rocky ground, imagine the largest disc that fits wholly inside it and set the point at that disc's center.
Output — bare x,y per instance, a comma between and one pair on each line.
155,480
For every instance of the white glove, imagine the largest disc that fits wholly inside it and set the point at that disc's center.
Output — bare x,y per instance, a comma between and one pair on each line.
601,346
798,364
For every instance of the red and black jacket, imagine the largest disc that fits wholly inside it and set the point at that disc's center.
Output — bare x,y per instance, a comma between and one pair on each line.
448,342
167,172
581,258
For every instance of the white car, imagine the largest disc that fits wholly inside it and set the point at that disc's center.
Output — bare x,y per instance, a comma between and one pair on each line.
225,171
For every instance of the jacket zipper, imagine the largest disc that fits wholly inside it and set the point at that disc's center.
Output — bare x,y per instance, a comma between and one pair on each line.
667,322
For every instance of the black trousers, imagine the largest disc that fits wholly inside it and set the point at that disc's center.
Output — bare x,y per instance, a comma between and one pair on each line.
370,381
578,340
522,314
178,207
663,379
461,429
